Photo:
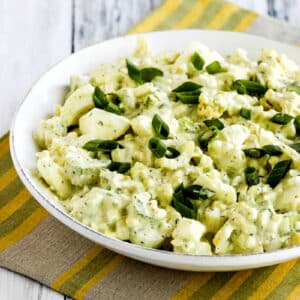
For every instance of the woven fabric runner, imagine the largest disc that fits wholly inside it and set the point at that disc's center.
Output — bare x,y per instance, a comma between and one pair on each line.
35,244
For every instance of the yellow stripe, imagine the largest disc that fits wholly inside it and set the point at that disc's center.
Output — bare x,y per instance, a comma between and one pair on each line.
223,15
166,9
194,285
99,276
59,281
23,229
246,22
273,280
7,178
295,294
195,13
14,204
4,147
232,285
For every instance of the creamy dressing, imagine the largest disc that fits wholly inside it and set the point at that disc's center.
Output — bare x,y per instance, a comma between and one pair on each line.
129,192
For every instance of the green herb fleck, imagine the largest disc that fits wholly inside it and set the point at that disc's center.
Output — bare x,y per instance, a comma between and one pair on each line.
187,86
172,153
281,118
101,145
214,68
272,150
251,176
249,87
278,172
148,74
297,125
141,76
157,147
214,122
134,72
207,135
99,98
101,101
245,113
197,61
197,192
254,152
160,127
120,167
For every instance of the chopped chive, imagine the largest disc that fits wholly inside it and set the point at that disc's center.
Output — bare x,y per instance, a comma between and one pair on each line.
184,210
249,87
214,122
101,145
143,75
182,204
157,147
245,113
272,150
296,147
160,127
278,172
207,135
297,125
214,68
281,118
187,86
101,101
99,98
197,61
197,192
188,92
251,176
148,74
178,192
172,153
133,72
189,97
254,152
120,167
113,108
114,98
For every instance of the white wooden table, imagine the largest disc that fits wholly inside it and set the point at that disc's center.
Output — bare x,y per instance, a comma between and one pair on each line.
35,34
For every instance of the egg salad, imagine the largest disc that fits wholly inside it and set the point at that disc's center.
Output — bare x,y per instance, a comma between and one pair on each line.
186,151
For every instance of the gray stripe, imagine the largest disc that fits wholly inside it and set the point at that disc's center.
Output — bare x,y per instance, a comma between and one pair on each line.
136,280
45,253
275,30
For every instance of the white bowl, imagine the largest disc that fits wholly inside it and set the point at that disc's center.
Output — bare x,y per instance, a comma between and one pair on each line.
49,90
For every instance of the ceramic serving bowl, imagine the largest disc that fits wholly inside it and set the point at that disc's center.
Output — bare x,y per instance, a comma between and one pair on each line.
51,87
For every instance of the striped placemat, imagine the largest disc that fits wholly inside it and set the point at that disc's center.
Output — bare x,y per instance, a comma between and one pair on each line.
35,244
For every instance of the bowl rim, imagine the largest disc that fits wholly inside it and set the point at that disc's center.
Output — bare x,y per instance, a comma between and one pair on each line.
114,244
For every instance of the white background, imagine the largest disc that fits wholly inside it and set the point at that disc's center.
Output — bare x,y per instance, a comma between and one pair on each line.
36,34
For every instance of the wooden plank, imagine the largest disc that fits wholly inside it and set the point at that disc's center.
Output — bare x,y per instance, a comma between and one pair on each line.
259,6
97,20
285,10
14,286
288,10
35,35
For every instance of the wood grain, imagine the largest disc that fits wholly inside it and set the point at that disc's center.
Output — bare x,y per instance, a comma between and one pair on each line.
34,37
36,34
97,20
